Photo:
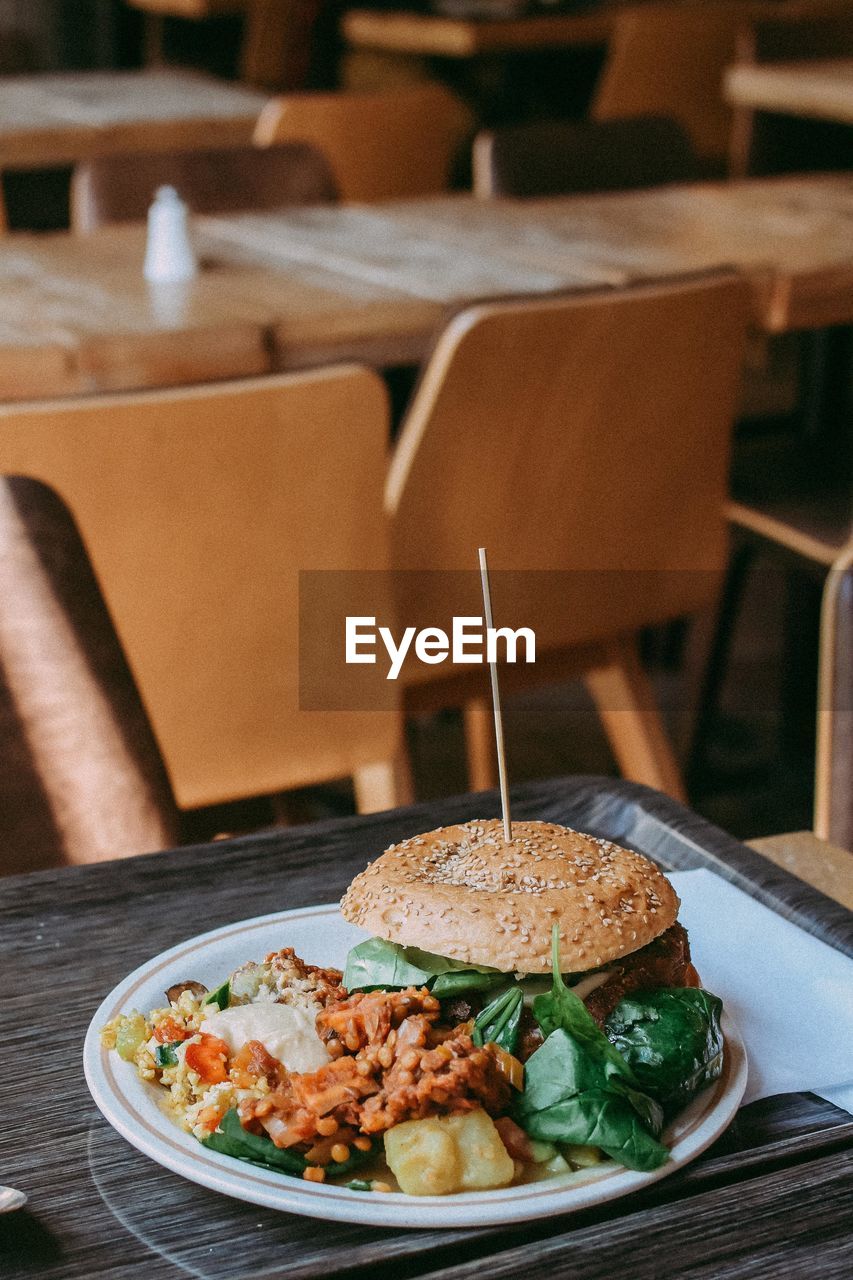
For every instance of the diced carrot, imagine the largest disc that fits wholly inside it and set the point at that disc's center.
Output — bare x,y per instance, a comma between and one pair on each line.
209,1117
207,1057
170,1030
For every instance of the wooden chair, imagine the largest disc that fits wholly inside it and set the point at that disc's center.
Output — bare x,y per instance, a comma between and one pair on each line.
81,776
120,188
277,34
833,819
277,43
783,509
560,157
584,441
200,507
669,60
398,142
764,143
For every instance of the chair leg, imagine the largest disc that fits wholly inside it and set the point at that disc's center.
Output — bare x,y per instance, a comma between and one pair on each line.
625,702
480,744
386,784
833,814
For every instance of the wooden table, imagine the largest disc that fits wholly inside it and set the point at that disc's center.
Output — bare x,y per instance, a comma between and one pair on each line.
769,1200
52,120
441,36
312,285
820,90
434,35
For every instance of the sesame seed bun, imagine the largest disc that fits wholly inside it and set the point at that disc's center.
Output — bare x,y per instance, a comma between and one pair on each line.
465,893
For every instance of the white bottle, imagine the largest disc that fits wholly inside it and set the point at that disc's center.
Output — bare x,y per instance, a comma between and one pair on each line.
169,255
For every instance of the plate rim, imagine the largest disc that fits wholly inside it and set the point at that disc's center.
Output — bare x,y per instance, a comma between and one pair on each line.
709,1114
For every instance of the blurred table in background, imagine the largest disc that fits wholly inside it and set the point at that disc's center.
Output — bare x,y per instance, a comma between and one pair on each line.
442,36
51,120
308,286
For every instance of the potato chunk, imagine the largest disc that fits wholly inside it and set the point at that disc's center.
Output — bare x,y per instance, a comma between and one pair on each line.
443,1154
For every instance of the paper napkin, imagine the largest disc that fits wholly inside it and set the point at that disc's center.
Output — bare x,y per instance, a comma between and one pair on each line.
790,994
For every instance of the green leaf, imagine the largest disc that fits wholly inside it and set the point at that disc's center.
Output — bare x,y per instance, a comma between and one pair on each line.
599,1118
231,1139
460,982
672,1041
165,1055
575,1095
221,996
559,1069
379,965
561,1008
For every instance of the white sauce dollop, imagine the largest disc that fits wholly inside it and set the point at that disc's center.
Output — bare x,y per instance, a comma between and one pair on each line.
286,1031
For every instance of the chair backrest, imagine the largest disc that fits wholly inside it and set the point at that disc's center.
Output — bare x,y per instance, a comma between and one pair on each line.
81,777
589,439
277,42
767,143
119,188
560,157
394,142
200,507
669,60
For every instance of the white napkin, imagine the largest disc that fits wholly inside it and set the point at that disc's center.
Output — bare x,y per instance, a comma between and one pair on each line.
790,994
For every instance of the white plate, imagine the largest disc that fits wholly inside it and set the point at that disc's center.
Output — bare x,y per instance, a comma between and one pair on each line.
321,936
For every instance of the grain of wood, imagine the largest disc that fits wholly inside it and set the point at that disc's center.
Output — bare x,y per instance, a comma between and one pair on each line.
819,863
329,283
57,119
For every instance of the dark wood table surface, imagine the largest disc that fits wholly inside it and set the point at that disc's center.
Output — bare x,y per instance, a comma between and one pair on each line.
772,1198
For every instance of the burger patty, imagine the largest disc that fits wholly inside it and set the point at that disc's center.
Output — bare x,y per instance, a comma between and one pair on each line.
662,963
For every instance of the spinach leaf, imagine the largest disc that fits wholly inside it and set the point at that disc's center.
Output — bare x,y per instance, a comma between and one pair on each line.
599,1118
561,1008
574,1096
233,1140
672,1041
498,1023
379,965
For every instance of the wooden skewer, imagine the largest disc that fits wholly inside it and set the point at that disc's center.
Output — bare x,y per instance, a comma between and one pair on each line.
496,700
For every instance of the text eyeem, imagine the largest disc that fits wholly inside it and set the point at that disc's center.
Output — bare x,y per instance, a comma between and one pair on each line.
469,641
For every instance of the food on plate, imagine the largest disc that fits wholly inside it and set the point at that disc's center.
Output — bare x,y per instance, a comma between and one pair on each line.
448,1153
555,1022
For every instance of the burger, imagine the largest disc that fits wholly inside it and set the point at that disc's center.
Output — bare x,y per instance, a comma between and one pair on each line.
461,910
553,959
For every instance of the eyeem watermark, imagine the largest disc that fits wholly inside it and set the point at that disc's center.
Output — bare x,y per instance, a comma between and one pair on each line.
469,641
